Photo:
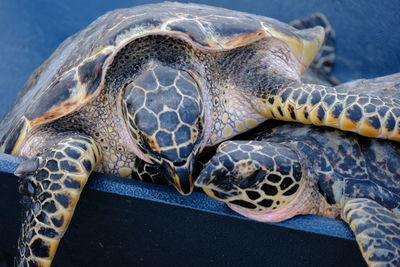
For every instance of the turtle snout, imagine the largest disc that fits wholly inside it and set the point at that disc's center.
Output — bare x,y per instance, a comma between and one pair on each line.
216,177
216,182
180,175
204,179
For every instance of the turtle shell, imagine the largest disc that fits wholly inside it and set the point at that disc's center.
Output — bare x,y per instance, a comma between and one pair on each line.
381,156
74,73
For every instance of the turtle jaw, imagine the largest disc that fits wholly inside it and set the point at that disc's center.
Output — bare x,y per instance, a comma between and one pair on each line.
284,213
296,206
180,174
212,190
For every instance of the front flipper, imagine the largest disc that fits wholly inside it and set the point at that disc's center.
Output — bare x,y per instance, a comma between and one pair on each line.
377,231
322,105
51,185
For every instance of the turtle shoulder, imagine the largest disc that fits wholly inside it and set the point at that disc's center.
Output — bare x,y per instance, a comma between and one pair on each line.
381,156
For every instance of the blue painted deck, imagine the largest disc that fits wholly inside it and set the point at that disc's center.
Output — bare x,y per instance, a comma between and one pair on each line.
197,201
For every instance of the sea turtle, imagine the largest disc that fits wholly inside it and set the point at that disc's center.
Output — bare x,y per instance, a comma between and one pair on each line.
294,169
143,90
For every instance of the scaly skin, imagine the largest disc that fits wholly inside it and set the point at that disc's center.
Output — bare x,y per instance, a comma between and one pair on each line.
342,174
52,184
377,231
321,105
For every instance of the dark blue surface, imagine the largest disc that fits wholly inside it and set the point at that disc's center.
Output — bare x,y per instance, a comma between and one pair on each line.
368,45
197,201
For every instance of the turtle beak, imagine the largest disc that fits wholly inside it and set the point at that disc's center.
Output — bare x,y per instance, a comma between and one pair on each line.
204,180
180,174
213,181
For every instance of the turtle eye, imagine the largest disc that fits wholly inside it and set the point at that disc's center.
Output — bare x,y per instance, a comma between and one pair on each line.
252,180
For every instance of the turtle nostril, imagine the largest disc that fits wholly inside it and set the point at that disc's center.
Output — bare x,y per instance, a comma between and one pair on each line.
179,163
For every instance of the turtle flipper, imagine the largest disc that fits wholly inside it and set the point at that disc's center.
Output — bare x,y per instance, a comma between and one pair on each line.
322,105
377,231
51,185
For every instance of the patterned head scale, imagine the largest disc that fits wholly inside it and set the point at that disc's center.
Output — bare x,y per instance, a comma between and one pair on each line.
252,176
164,113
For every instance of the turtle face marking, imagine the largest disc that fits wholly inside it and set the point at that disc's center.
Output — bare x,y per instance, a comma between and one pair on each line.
253,175
164,113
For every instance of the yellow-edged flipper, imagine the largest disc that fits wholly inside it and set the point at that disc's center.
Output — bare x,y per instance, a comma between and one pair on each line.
51,185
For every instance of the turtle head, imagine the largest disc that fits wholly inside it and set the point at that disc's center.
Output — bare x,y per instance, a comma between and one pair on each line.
259,180
163,112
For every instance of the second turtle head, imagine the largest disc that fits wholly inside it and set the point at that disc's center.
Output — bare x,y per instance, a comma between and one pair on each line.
257,179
